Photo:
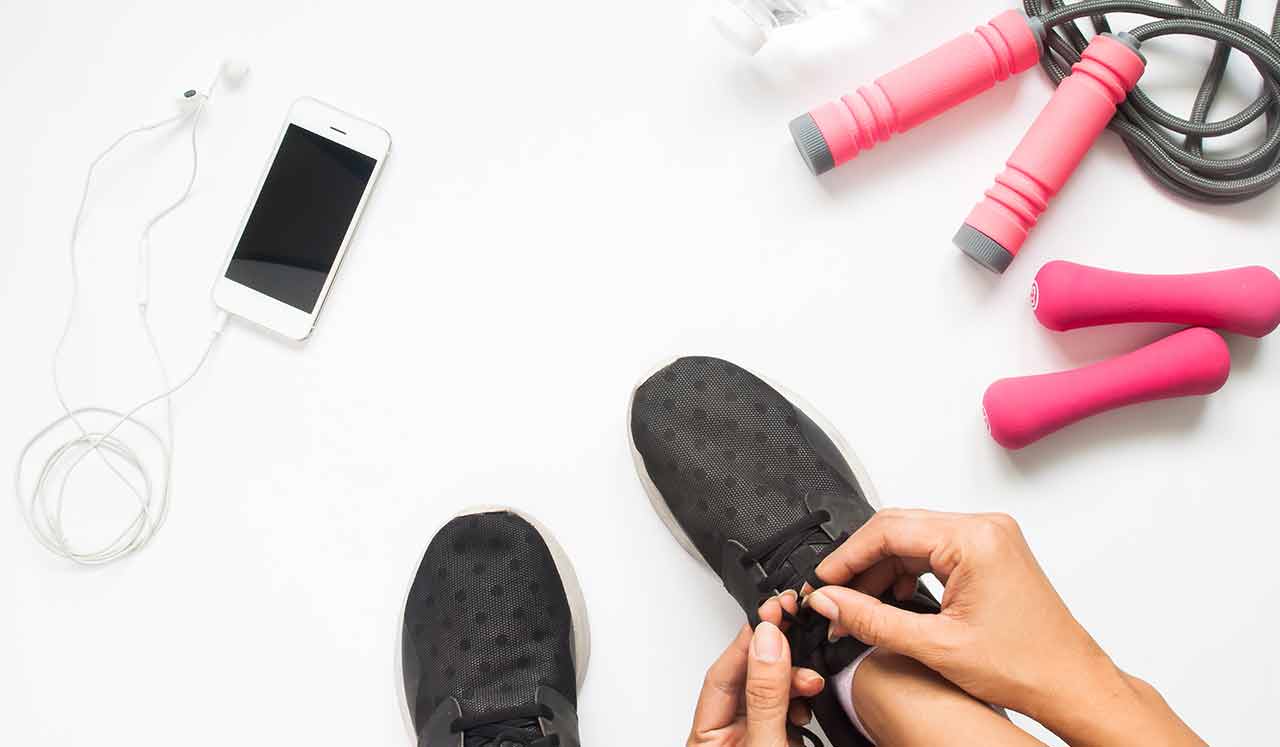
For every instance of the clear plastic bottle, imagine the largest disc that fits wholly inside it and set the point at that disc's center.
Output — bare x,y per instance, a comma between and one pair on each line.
747,24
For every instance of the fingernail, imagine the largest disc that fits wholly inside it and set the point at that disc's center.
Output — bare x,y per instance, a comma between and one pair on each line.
791,593
833,633
823,605
767,643
816,679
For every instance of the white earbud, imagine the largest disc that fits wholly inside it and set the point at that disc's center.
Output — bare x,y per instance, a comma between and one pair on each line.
190,100
234,71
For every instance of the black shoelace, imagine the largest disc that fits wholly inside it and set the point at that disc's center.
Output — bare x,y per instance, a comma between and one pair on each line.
511,726
774,553
807,631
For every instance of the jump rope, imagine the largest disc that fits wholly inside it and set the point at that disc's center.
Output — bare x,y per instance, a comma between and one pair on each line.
1180,164
1096,89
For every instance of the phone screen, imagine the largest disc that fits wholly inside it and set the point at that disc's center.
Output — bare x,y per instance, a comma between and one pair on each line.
295,229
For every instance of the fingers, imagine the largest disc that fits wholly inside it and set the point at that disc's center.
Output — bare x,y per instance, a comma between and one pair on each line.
874,623
721,694
806,683
790,602
900,575
768,687
720,701
881,576
772,610
920,539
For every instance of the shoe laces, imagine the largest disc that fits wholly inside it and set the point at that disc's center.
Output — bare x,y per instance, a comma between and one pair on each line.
511,727
773,554
806,630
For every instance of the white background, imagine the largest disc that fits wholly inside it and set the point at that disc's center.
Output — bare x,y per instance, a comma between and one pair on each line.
577,191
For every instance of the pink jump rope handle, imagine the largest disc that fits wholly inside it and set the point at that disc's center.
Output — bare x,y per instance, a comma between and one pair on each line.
1244,300
918,91
1021,411
1080,109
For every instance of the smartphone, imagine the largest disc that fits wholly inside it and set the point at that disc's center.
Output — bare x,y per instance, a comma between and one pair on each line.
304,212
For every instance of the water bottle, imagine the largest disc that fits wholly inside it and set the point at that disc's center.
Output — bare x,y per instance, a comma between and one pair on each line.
748,24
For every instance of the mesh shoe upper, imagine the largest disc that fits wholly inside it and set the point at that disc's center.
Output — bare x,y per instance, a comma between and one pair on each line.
733,459
763,494
487,620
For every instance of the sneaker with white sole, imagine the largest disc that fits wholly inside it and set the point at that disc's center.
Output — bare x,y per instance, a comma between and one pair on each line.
495,640
761,489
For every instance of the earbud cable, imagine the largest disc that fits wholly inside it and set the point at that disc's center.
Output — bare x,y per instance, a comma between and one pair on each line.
43,505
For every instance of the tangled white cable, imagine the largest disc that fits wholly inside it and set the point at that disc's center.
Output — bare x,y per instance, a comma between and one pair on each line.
43,500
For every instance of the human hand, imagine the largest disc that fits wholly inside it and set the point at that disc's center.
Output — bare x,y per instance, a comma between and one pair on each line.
747,696
1003,635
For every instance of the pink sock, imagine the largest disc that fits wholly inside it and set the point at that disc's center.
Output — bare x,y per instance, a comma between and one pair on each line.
843,682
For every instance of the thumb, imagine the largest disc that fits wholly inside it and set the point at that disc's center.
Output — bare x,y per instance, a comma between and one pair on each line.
768,690
878,624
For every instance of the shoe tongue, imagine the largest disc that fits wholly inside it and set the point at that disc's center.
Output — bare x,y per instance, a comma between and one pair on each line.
502,742
528,729
800,563
491,698
484,742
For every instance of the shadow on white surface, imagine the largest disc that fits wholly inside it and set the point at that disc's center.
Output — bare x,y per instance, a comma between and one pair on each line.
1121,428
1118,429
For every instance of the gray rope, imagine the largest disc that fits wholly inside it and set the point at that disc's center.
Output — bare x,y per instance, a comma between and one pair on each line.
1168,147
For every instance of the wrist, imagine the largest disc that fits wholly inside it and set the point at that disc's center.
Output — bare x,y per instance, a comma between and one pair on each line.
1109,708
1081,696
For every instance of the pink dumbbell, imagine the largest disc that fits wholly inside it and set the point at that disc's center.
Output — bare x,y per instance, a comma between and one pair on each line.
1079,111
1245,300
1024,410
918,91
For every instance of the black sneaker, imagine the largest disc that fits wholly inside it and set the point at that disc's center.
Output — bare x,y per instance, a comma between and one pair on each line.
760,488
495,640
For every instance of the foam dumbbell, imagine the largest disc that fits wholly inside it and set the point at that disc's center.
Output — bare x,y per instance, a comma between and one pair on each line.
1021,411
1245,300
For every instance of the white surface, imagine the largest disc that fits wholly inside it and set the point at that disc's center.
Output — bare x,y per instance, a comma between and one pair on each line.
563,209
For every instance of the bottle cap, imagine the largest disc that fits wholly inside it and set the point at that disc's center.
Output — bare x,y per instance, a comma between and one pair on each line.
736,26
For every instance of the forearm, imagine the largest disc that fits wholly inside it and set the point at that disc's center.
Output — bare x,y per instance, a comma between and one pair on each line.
1113,709
902,703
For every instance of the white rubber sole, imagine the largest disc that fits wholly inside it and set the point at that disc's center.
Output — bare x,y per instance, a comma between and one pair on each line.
580,644
660,506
